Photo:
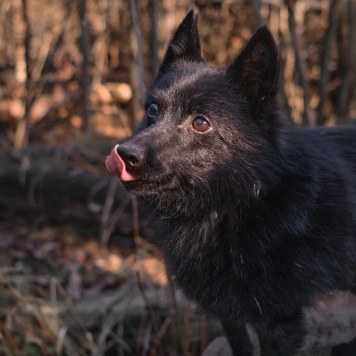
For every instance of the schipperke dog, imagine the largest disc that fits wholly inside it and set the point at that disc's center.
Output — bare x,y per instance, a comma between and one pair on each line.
259,215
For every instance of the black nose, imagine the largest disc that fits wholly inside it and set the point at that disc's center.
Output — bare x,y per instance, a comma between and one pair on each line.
133,156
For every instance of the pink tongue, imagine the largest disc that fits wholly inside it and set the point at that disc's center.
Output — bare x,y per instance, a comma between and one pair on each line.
115,164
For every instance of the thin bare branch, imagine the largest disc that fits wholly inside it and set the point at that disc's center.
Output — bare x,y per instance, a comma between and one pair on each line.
85,49
138,70
153,37
346,66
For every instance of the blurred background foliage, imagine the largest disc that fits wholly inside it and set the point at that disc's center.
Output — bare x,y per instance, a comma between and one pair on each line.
79,272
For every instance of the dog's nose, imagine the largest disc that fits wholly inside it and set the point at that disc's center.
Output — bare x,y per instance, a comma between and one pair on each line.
133,156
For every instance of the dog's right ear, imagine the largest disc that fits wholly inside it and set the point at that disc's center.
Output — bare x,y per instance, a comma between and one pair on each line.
185,45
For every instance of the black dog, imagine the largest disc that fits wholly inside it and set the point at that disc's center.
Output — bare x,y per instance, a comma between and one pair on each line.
259,216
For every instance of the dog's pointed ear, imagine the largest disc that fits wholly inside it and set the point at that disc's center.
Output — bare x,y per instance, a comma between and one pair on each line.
185,44
256,69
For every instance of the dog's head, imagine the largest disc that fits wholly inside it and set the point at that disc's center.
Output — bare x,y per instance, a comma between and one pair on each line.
205,129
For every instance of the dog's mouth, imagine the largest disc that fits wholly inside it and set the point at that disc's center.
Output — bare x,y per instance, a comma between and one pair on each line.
135,182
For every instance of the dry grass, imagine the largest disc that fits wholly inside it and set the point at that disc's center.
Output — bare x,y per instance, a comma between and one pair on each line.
143,316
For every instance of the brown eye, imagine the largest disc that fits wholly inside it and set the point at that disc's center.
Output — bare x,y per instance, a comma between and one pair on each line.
200,124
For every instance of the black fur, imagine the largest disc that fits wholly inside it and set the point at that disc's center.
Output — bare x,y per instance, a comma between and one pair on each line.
259,216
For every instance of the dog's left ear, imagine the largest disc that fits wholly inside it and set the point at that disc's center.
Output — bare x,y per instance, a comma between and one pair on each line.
256,69
185,45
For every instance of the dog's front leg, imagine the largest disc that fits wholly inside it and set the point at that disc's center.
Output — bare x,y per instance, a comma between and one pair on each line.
238,339
284,337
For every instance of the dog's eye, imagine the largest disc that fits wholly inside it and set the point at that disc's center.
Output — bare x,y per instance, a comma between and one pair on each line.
152,111
200,124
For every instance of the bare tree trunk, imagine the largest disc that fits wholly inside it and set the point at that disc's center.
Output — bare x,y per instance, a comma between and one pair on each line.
153,38
308,116
257,7
138,84
22,130
325,57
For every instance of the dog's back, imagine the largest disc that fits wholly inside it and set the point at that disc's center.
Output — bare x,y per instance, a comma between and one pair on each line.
339,140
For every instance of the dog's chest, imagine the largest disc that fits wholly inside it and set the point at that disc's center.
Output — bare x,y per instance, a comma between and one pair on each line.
221,280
